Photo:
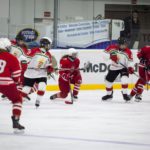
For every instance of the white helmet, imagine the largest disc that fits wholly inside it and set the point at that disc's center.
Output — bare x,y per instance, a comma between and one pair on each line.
45,43
47,38
5,43
2,45
72,52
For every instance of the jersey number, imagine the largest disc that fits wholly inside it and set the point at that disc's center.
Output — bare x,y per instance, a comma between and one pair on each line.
2,65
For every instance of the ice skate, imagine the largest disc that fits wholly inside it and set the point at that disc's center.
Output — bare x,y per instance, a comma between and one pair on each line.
126,97
107,97
138,98
18,128
26,98
3,97
52,97
37,103
75,98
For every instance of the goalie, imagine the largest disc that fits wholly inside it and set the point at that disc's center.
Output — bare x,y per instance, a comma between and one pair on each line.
69,74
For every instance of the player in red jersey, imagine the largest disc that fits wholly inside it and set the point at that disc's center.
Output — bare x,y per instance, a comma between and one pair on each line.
19,50
10,72
144,73
121,57
69,74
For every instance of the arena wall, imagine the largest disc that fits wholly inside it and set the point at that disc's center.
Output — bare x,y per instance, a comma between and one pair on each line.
93,78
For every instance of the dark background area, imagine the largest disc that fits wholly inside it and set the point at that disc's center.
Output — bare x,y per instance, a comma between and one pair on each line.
116,11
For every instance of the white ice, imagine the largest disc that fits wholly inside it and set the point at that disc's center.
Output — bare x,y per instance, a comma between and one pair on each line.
88,124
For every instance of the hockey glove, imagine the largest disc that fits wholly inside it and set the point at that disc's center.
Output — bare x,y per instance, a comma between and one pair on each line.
147,68
65,77
113,57
142,61
130,70
18,86
50,69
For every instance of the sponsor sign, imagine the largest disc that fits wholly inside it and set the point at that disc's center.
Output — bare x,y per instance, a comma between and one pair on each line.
88,34
29,34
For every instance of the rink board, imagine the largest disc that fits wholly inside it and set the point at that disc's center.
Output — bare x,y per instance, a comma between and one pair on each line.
94,77
89,87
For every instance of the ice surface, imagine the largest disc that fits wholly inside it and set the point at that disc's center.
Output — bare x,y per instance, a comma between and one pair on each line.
88,124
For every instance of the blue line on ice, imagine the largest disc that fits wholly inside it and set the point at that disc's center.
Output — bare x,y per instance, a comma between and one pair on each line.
75,139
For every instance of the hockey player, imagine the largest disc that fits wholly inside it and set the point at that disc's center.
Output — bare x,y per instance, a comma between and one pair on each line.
24,55
38,68
144,73
121,56
20,42
69,74
20,51
10,72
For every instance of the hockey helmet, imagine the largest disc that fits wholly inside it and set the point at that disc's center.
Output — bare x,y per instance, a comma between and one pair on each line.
72,52
5,44
122,41
20,37
1,45
45,42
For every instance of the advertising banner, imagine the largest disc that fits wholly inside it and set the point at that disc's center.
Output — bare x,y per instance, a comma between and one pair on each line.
29,34
88,34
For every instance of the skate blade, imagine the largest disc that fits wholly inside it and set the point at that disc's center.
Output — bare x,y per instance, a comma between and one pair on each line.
25,99
4,98
75,100
137,100
36,107
107,100
68,102
17,131
127,101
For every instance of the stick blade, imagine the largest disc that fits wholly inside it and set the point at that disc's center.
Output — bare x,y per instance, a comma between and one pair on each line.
68,102
87,65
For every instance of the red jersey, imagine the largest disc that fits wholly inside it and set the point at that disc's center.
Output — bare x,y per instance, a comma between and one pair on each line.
33,51
66,62
10,70
144,53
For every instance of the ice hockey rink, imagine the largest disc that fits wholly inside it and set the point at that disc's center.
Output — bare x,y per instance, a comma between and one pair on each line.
88,124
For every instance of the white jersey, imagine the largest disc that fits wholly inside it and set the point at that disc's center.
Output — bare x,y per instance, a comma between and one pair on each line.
16,51
38,64
19,53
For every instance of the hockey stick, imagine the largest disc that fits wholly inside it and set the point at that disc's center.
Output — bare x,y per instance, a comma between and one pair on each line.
146,80
71,94
51,76
135,74
86,65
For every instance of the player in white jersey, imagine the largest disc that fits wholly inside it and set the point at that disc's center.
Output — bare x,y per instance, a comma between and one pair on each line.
38,69
121,65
